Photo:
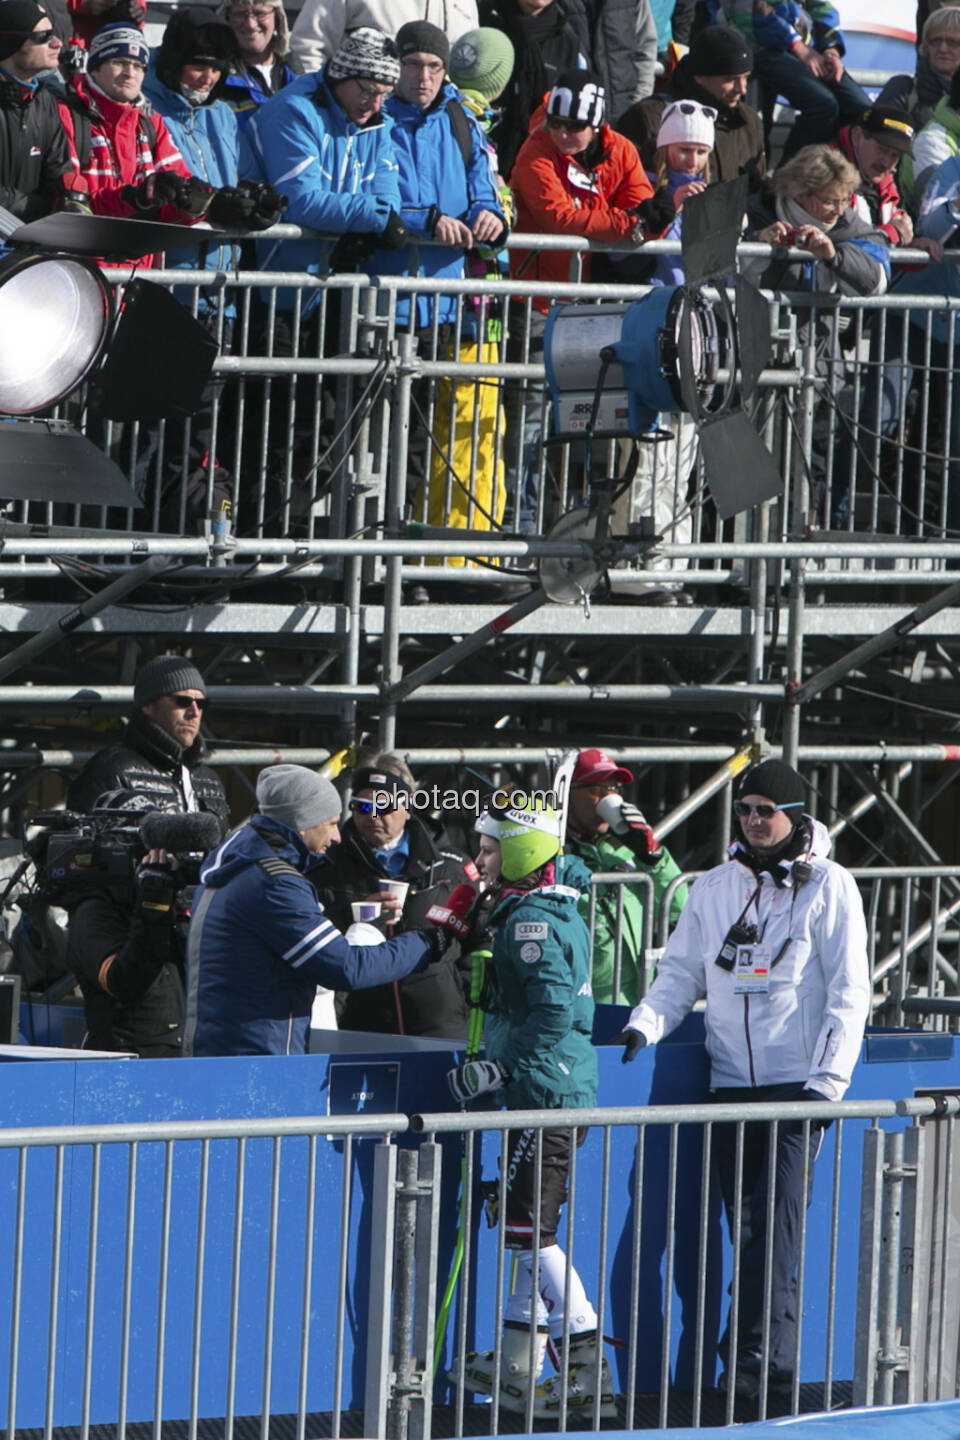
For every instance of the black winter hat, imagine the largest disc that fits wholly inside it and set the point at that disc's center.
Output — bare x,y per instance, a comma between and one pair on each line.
578,95
720,50
778,781
166,675
420,37
17,19
194,35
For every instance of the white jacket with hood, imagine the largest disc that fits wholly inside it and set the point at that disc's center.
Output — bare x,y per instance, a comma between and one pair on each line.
809,1024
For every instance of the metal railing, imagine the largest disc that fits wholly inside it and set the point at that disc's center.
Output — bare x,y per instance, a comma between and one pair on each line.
211,1271
655,1263
191,1269
913,935
300,422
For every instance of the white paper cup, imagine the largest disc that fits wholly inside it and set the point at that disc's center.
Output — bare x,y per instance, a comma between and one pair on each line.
395,887
365,910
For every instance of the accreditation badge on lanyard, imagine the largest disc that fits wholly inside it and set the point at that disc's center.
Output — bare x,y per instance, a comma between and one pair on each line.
751,973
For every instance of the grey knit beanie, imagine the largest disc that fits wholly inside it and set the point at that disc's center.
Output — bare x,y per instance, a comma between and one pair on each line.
296,796
166,675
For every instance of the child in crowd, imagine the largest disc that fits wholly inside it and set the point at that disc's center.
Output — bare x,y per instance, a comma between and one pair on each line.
685,143
684,146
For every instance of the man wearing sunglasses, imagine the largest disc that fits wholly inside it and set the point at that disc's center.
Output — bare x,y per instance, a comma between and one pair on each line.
36,175
260,941
777,943
161,754
384,839
609,834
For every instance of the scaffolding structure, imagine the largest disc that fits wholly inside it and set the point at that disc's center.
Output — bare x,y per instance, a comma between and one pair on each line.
328,611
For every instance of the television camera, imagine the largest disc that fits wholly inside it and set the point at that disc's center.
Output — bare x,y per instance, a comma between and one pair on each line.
79,855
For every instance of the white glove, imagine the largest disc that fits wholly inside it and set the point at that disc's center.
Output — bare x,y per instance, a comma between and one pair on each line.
475,1077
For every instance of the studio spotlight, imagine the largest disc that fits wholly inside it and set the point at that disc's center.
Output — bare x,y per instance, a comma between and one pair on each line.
56,327
55,315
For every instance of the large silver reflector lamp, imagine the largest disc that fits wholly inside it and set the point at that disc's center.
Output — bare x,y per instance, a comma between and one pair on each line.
55,314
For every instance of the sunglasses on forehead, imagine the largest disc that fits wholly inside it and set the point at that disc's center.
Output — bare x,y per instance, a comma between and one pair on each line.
689,107
765,812
183,702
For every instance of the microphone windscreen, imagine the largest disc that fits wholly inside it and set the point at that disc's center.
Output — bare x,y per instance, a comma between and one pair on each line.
181,832
461,900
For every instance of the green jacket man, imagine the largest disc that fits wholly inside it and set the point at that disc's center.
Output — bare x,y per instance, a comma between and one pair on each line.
609,834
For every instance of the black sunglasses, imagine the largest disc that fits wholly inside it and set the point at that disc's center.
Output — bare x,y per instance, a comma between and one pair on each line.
40,37
183,702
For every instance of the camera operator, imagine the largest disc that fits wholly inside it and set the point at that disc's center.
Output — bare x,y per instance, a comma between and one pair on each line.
161,753
129,964
127,926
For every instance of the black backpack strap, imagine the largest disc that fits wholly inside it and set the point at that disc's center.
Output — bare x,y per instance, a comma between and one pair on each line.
460,126
81,133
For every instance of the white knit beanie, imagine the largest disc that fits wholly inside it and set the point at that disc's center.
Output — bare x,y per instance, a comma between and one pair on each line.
687,122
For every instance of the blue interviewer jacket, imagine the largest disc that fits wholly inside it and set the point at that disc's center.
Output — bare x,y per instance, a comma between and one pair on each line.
259,944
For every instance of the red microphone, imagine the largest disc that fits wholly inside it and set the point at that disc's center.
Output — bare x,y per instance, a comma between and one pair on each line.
454,915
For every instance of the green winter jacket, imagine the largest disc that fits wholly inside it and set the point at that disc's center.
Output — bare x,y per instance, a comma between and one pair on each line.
541,1019
603,853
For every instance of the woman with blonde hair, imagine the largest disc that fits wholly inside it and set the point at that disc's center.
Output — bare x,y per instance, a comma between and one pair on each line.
938,55
821,246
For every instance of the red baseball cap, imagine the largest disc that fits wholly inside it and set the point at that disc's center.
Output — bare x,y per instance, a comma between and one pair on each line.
594,765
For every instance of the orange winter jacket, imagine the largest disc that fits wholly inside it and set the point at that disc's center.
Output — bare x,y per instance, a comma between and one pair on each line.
556,196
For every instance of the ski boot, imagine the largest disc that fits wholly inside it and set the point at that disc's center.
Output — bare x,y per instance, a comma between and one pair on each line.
588,1371
516,1376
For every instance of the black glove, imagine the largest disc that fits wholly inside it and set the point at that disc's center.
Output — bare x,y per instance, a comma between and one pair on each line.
185,192
351,251
142,198
268,205
628,823
632,1042
156,889
656,213
394,234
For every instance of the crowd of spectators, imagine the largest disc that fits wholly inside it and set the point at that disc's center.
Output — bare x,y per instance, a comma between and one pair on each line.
352,122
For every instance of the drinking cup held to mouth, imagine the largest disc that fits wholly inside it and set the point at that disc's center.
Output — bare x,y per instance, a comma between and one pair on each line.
365,910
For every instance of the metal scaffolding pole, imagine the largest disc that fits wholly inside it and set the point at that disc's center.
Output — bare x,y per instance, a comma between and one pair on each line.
727,772
396,503
875,646
801,505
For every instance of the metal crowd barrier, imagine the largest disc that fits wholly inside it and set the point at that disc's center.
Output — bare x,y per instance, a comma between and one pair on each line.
912,933
285,1272
191,1270
299,433
656,1263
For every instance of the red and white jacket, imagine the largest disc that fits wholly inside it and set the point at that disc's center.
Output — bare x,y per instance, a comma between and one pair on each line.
128,143
877,201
